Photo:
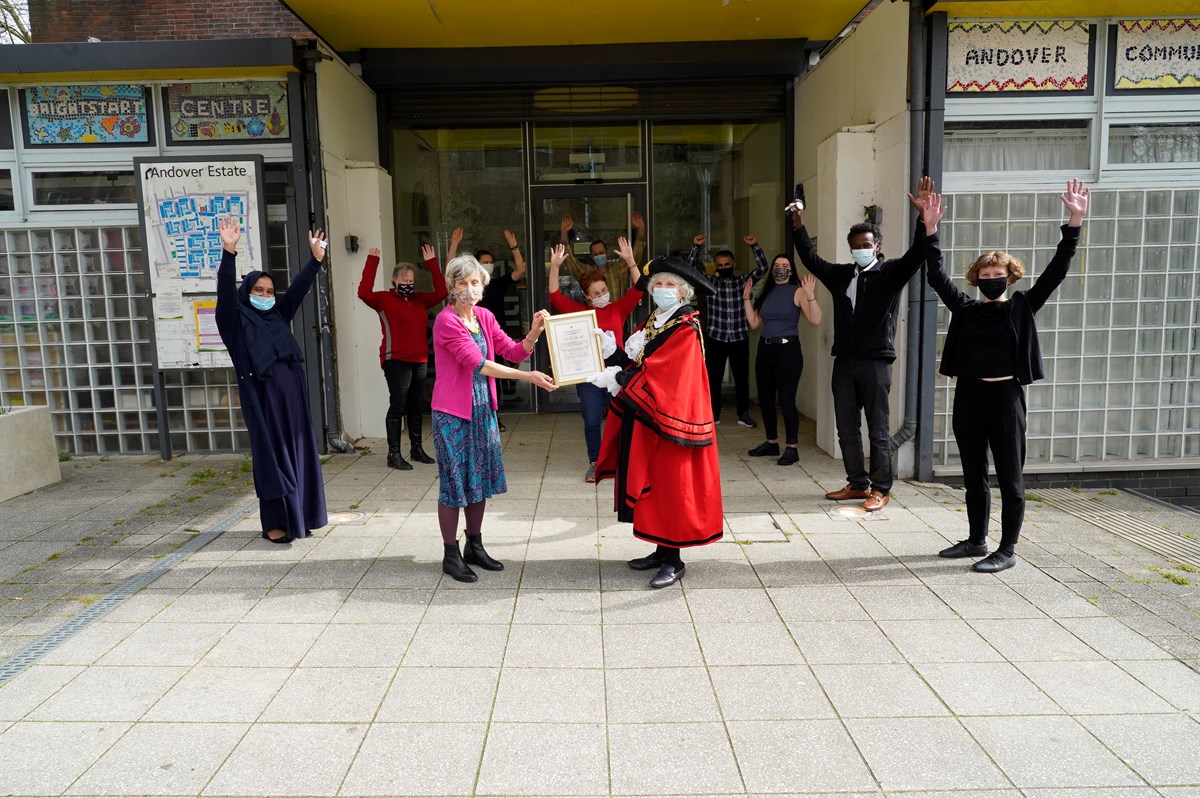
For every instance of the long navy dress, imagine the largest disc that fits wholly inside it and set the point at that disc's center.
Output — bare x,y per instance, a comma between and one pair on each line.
274,399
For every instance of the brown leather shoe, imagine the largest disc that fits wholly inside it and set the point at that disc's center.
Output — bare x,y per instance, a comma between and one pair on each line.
875,501
848,492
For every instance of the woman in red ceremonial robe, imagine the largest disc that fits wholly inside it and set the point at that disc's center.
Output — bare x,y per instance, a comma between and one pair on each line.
660,441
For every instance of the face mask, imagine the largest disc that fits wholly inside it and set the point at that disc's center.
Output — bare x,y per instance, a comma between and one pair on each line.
601,301
992,287
488,267
725,272
666,298
600,260
469,295
863,257
404,289
781,274
262,302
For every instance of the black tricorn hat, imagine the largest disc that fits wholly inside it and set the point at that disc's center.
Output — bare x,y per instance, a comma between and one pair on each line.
675,265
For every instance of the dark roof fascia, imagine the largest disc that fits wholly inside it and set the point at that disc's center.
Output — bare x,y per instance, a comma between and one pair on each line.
129,56
582,64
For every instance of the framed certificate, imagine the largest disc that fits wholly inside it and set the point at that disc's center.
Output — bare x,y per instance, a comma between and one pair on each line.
575,351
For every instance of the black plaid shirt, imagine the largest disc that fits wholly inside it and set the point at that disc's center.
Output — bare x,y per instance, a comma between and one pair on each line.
725,320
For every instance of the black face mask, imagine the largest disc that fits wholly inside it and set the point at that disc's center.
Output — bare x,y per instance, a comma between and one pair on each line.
992,287
726,272
404,289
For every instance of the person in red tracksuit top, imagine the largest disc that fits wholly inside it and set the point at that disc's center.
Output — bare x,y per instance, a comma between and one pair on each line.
404,350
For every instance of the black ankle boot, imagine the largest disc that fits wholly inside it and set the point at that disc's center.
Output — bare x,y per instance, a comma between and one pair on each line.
475,554
394,458
417,453
453,565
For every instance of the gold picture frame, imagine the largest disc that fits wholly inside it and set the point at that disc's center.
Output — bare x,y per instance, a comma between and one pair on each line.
575,352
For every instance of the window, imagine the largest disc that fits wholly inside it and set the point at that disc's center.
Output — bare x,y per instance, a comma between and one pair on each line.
84,188
1154,144
1017,146
587,153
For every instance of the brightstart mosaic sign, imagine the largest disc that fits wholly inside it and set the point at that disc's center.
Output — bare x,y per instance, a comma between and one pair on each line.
86,115
1007,57
1157,54
229,111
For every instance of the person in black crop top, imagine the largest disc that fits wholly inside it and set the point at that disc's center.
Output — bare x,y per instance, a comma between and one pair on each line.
992,350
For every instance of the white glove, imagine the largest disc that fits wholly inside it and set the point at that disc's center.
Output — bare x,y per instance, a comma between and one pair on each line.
634,344
607,379
608,342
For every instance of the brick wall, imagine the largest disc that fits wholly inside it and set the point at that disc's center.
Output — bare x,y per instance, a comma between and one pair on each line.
1181,488
150,20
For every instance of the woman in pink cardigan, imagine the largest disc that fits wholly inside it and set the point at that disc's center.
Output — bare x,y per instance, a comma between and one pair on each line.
466,343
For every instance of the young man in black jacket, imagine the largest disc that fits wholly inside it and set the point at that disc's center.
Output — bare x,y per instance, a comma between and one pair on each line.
866,300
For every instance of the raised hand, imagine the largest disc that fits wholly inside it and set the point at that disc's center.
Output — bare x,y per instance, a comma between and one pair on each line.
565,225
456,237
932,211
1076,202
797,219
558,254
539,322
427,252
319,243
639,223
625,250
809,284
510,238
750,240
699,239
231,233
747,288
924,189
374,252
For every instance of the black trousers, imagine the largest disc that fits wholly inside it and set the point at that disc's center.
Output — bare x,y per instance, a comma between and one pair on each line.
737,353
777,369
406,393
992,415
863,386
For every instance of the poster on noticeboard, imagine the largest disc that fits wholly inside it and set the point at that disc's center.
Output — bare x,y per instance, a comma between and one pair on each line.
230,111
87,115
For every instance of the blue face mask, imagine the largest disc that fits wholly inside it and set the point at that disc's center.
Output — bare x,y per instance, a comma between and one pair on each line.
863,257
262,302
666,298
599,260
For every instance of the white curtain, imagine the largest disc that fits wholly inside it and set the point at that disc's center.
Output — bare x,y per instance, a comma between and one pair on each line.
1015,150
1154,144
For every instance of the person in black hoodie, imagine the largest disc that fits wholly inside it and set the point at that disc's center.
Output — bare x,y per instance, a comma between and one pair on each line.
992,351
866,300
271,386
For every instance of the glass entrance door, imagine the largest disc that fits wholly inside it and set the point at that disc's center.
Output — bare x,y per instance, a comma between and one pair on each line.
588,221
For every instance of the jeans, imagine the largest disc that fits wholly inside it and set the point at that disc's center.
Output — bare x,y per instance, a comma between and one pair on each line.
858,386
992,414
592,401
778,368
738,355
406,393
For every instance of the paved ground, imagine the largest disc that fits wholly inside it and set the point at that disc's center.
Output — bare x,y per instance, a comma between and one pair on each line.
809,653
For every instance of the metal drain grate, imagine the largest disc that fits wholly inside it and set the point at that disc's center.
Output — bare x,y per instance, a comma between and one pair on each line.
1122,524
59,635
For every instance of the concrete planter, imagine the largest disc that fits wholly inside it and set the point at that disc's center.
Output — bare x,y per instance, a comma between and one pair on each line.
30,458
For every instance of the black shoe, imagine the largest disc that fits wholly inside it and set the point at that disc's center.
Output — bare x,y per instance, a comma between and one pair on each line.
790,456
994,562
396,460
475,554
418,454
964,548
667,575
282,541
453,565
646,563
745,420
765,449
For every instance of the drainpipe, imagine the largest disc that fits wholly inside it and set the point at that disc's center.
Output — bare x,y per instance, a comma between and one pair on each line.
916,168
334,441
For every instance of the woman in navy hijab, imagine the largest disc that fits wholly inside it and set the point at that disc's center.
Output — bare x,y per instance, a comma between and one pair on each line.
270,372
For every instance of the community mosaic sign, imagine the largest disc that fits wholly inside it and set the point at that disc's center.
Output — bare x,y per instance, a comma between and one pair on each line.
1009,56
1157,54
229,111
86,115
181,200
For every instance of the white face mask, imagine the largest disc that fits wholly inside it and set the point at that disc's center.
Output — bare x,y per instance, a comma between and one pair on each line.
863,257
601,301
665,297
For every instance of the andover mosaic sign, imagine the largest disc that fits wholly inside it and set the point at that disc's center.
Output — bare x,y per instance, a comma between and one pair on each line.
1007,57
243,111
86,115
1157,54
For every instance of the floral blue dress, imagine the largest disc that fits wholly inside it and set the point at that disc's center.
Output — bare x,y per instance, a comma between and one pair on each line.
470,461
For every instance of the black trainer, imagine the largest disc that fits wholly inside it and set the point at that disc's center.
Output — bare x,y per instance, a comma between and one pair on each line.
996,561
765,449
964,548
790,456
